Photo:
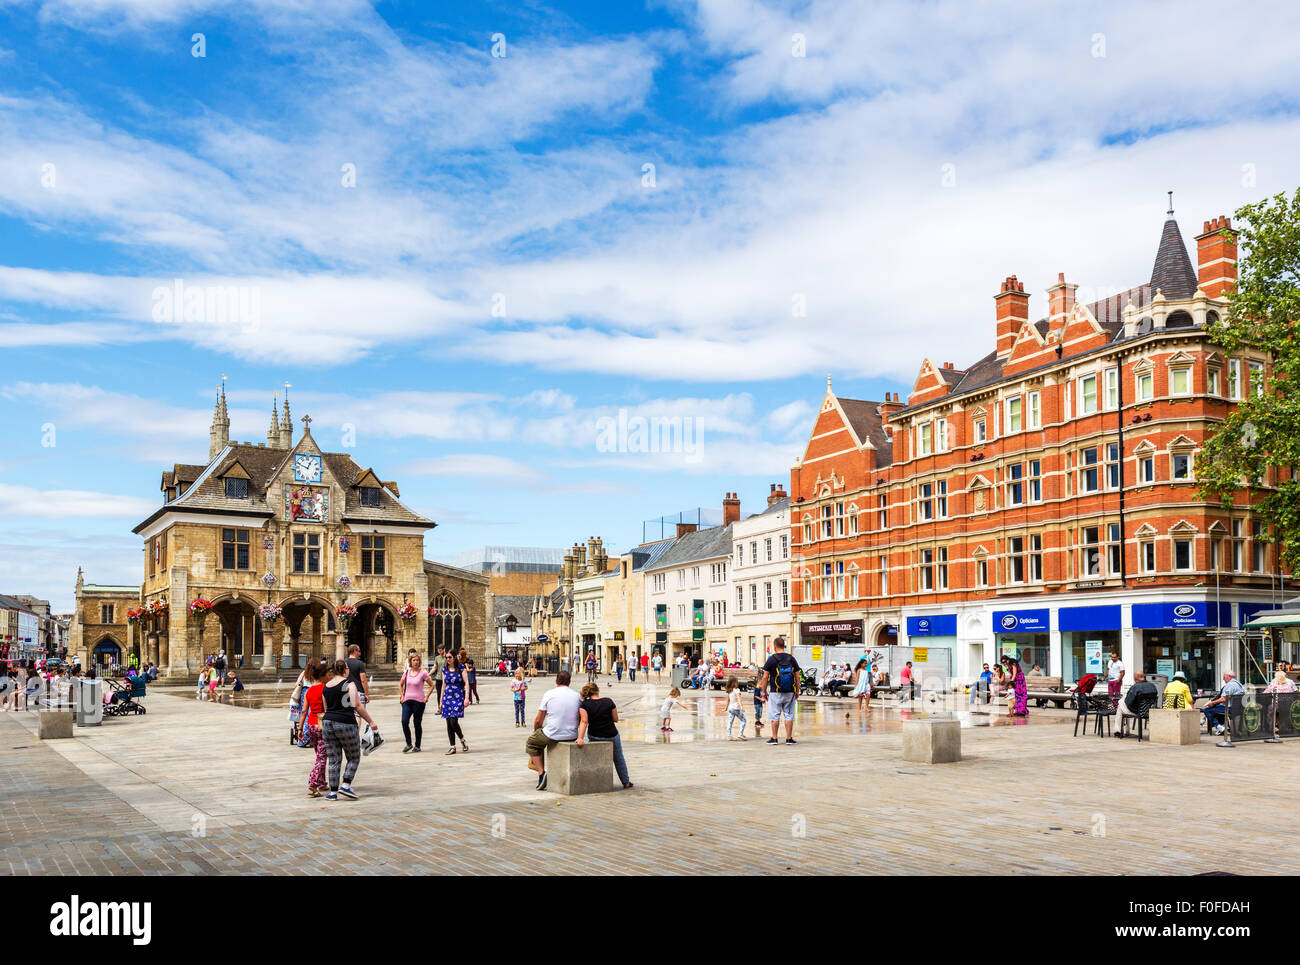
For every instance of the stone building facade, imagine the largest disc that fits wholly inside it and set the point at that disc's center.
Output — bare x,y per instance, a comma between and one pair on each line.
100,632
287,524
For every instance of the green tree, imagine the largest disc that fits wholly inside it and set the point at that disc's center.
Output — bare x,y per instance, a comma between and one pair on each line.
1260,439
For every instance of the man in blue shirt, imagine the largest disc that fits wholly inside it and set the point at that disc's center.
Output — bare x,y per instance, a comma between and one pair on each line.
983,686
1215,710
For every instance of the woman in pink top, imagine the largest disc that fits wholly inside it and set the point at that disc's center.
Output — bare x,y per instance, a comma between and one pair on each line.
414,693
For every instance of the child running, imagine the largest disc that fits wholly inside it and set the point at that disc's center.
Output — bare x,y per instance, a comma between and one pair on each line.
666,711
519,690
734,713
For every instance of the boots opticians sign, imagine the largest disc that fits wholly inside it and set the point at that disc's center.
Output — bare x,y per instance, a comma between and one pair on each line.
1022,621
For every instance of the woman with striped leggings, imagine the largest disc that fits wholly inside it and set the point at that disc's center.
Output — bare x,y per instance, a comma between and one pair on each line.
340,730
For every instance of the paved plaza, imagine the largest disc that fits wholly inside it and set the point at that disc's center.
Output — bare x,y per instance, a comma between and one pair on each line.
200,788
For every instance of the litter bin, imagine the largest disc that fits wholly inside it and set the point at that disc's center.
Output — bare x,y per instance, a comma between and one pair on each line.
87,702
1161,682
679,675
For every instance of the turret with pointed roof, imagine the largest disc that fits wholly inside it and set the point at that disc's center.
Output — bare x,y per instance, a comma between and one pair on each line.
219,431
1172,272
286,424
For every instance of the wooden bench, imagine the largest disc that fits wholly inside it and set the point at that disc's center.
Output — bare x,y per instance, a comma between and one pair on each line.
1041,689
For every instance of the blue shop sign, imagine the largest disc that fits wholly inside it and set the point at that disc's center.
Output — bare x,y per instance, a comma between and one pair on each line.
1022,621
1197,615
1080,618
1248,611
940,625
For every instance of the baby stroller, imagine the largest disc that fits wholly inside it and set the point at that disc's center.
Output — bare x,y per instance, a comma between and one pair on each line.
126,697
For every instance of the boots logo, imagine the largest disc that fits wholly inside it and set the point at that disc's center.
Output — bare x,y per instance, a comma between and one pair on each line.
1010,621
75,918
1184,610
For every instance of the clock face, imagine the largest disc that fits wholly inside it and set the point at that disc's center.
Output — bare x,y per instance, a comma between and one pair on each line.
306,468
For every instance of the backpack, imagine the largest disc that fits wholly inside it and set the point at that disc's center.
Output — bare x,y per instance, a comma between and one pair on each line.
785,676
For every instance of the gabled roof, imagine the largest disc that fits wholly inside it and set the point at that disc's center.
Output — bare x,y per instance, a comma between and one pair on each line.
864,419
519,607
703,544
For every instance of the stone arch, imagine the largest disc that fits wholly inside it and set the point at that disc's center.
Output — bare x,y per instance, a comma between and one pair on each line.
376,617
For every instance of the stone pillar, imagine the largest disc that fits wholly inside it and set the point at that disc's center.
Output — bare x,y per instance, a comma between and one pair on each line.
378,648
284,635
332,644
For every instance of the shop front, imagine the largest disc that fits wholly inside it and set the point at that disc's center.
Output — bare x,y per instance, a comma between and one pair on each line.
1179,636
1026,636
840,633
1089,635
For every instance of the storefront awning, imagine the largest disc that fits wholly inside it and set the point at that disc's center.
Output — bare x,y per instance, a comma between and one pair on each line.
1275,618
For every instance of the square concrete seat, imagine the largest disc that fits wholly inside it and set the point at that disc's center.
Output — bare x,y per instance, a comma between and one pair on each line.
932,740
52,724
571,769
1175,726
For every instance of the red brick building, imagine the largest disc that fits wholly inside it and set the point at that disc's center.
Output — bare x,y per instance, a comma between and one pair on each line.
1043,500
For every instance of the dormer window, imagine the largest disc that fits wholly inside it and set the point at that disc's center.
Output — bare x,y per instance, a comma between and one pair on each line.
370,496
236,488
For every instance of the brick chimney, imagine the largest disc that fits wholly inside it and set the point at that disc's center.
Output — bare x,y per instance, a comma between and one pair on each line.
1013,311
777,493
1216,257
1060,302
684,528
730,509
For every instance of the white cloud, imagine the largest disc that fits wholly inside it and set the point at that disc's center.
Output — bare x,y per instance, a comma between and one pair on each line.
26,502
471,465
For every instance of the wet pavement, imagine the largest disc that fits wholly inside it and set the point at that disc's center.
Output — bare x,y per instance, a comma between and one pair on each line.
705,716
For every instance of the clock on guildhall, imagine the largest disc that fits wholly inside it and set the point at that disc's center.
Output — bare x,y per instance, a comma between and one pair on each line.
308,532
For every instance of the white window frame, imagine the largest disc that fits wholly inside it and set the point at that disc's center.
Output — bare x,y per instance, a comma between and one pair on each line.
1084,408
1035,414
1015,421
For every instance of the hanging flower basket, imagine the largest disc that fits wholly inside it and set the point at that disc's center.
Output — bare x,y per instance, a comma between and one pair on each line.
137,616
344,615
407,612
269,613
199,610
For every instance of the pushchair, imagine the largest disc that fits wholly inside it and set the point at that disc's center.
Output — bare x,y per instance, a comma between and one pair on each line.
126,696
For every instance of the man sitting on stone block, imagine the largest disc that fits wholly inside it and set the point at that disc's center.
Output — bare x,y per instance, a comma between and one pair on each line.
1141,687
557,720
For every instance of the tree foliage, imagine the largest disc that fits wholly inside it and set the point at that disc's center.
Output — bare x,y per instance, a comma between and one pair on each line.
1260,440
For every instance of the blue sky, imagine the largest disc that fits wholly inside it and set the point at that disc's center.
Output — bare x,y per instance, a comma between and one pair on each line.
501,274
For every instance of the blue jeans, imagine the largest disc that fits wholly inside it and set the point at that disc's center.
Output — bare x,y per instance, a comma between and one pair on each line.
758,709
519,711
619,674
620,764
1214,715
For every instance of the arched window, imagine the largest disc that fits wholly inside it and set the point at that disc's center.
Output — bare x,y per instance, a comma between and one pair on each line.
445,623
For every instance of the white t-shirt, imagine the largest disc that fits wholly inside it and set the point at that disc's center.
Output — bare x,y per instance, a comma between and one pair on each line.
561,706
1114,669
733,700
667,709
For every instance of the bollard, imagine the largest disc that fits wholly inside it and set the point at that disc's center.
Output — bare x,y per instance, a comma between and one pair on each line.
932,740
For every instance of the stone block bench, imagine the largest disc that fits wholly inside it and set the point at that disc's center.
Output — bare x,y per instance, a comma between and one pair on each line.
52,724
589,769
932,740
1180,727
